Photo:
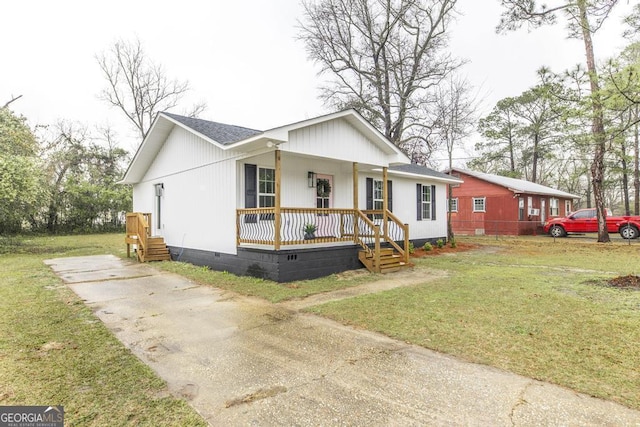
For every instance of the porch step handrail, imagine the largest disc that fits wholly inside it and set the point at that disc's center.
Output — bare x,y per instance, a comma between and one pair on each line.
137,231
387,235
359,234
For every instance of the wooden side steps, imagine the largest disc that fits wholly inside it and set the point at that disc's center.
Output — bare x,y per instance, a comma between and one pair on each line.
156,250
390,261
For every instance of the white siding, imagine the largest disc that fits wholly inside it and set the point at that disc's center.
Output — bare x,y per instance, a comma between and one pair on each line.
198,206
335,139
296,192
204,185
405,205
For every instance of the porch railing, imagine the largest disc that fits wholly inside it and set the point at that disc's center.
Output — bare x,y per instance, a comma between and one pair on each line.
365,228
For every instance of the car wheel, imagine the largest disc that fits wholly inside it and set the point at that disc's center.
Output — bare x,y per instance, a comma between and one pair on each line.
557,231
629,232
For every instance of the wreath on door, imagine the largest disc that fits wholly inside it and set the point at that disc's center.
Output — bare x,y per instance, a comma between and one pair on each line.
323,187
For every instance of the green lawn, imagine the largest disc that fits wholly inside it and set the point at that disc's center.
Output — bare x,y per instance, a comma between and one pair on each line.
528,305
54,351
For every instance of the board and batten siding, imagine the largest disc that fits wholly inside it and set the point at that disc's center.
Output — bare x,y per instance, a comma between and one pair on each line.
405,205
296,192
335,139
198,206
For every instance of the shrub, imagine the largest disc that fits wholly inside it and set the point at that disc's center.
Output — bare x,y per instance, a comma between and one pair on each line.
411,248
440,243
452,243
427,247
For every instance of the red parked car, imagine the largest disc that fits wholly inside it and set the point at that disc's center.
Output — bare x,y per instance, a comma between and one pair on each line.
586,221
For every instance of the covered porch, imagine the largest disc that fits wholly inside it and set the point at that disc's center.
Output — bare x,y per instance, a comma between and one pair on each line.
383,238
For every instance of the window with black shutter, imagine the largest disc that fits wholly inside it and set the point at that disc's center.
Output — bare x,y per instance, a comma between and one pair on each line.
426,202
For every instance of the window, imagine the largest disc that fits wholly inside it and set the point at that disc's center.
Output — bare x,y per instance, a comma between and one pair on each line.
479,204
554,209
426,202
521,208
266,190
452,205
567,207
377,194
585,214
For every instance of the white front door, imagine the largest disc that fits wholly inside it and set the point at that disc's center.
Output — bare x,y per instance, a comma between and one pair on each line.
324,200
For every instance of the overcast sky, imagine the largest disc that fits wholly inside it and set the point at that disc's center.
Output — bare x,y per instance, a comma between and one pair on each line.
241,58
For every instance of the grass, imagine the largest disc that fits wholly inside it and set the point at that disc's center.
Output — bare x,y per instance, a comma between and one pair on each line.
54,351
526,305
266,289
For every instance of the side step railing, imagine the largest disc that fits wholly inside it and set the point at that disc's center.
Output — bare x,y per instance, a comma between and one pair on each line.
138,232
369,236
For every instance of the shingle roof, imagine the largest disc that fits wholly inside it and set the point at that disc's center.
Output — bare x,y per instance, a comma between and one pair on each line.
421,170
222,133
518,185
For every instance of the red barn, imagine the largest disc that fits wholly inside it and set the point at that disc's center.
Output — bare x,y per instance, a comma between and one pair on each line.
494,204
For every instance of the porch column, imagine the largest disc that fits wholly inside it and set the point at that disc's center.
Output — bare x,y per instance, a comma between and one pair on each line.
277,219
355,202
385,198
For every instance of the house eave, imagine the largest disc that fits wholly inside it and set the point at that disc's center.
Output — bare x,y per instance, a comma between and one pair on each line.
451,180
549,194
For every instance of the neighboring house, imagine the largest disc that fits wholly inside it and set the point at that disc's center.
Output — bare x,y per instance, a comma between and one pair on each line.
299,201
494,204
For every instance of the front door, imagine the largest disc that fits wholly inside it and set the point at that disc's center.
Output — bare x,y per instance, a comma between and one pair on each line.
324,200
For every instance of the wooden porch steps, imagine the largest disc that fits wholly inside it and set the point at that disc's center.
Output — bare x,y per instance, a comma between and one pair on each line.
156,250
390,261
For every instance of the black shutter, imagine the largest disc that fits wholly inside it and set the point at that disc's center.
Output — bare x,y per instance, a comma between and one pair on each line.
390,194
369,193
419,200
433,202
250,190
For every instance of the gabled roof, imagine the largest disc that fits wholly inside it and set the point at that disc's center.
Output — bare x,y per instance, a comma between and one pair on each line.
221,133
423,171
517,185
230,137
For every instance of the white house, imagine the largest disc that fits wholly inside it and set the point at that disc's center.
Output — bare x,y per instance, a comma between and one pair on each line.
239,200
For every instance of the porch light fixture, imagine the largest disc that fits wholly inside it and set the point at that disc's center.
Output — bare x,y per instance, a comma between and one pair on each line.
311,178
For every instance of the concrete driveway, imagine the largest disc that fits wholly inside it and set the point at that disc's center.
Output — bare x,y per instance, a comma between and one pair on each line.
241,361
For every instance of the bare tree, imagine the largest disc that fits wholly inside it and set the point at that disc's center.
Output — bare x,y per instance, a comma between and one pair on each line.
454,118
633,22
138,86
386,58
584,18
13,99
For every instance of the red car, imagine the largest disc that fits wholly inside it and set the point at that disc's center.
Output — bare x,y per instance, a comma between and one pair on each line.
586,221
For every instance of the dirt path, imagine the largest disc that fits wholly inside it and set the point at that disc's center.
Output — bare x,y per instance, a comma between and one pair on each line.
407,277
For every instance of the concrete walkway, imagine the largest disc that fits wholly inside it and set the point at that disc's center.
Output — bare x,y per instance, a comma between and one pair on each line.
241,361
